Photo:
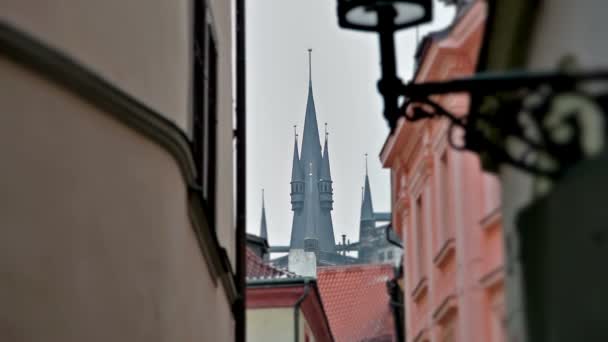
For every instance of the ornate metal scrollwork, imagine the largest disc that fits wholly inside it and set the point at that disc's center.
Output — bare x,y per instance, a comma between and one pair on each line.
541,123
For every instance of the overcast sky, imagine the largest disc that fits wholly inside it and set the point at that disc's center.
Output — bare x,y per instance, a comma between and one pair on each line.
345,69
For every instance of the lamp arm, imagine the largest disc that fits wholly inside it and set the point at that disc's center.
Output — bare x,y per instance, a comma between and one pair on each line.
526,115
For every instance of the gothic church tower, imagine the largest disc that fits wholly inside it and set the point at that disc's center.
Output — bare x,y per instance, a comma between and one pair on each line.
311,187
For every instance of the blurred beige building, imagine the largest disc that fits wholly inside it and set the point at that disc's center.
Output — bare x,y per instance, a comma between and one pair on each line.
116,137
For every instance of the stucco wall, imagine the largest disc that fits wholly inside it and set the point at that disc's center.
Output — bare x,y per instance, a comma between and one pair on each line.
95,240
140,46
145,49
269,325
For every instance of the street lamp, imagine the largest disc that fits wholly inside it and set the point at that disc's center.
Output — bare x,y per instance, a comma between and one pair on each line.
385,17
371,15
537,122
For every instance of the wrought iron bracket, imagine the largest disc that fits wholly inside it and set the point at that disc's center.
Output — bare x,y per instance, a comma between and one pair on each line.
539,122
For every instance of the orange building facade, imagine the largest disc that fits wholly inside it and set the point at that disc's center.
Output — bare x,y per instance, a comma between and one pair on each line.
446,208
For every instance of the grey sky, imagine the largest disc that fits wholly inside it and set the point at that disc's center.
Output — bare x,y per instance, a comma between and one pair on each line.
345,69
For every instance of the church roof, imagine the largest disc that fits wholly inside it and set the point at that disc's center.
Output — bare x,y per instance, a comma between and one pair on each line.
357,302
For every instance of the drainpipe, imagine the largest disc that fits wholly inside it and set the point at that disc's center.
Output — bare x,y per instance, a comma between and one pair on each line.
296,312
395,293
241,172
397,307
388,237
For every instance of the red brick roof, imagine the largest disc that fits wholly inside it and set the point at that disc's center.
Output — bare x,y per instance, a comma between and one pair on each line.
356,302
258,269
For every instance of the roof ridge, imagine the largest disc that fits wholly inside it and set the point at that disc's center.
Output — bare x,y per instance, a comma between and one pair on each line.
345,268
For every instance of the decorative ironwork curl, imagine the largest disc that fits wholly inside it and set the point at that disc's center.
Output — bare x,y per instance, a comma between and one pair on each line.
540,123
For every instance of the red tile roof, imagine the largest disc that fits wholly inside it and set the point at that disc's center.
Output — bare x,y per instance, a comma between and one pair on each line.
356,302
258,269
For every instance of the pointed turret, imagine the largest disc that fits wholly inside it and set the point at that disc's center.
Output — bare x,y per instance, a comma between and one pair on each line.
325,182
367,209
367,223
297,178
296,168
325,169
263,226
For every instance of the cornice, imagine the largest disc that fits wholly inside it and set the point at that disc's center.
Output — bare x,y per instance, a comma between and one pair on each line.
447,250
493,278
422,336
273,296
445,309
420,289
492,220
53,65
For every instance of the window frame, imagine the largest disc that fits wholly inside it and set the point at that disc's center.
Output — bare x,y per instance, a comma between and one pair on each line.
204,106
420,235
444,193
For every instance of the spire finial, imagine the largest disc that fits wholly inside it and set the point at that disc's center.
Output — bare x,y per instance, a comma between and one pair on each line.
295,131
263,225
309,65
326,134
366,164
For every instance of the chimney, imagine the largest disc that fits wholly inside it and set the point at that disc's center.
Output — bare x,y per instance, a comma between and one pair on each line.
302,263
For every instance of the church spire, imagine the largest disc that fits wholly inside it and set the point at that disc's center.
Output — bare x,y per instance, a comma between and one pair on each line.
296,168
263,226
367,209
311,196
311,145
367,224
325,170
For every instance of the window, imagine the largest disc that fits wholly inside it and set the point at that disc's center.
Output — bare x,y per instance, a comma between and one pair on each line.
498,323
389,255
444,195
204,115
448,333
420,236
448,327
381,256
